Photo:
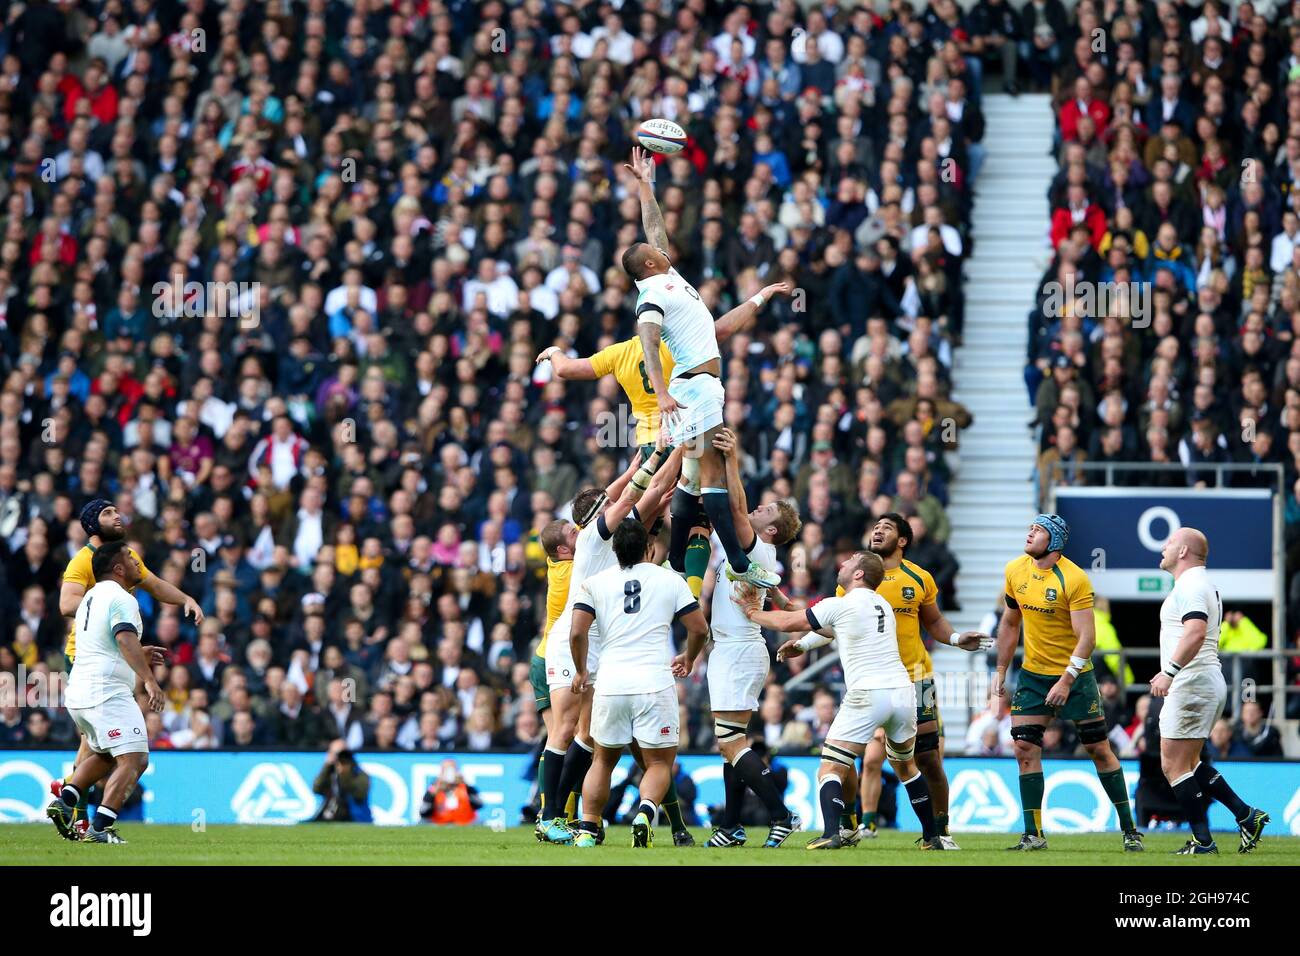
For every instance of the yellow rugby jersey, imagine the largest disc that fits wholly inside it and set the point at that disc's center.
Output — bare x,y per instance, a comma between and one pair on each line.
626,362
558,574
80,572
1045,599
906,588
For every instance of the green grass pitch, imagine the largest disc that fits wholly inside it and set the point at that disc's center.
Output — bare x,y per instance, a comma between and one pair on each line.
349,844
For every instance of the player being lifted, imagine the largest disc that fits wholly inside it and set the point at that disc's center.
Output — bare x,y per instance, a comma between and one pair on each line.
878,691
103,524
634,604
739,663
626,362
669,309
1191,681
1054,597
100,695
911,592
568,748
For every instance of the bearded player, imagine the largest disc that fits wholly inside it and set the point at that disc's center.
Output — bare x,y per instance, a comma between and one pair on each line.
911,592
1053,596
626,362
670,311
103,524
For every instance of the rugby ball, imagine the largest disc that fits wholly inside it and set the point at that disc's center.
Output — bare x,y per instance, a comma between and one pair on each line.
661,136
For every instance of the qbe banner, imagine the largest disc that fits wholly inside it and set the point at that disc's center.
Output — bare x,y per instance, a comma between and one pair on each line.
275,788
1116,535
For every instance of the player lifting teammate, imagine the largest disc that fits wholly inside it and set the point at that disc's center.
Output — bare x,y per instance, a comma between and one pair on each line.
690,407
739,663
878,693
1054,598
1191,681
634,604
568,749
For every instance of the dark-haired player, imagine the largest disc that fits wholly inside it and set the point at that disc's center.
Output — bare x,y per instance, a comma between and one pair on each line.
669,310
103,524
597,515
1053,596
634,604
100,695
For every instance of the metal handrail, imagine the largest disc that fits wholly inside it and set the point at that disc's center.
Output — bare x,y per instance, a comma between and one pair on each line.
1219,468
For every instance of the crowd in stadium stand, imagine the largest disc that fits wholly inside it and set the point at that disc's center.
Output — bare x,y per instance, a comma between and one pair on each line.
418,198
347,456
1179,184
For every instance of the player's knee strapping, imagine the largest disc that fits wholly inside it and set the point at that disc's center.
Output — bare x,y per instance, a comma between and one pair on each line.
1030,733
1093,732
925,743
839,755
898,752
726,731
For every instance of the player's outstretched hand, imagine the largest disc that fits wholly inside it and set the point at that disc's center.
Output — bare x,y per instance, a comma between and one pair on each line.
157,655
974,641
579,684
768,292
682,667
788,650
725,441
642,165
191,609
1160,685
156,698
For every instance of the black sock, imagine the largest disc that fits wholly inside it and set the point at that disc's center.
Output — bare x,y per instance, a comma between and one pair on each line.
552,770
105,817
69,795
734,789
650,810
718,507
918,791
588,827
684,508
576,763
1213,785
1191,798
831,794
758,777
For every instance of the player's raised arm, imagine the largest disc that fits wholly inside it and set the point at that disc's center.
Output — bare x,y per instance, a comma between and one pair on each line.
742,316
567,369
729,447
649,328
168,593
660,489
652,219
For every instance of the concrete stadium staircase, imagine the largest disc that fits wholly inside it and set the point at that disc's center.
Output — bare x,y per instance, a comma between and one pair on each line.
992,497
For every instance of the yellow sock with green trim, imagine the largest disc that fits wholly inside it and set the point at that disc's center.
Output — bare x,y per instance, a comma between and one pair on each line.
698,552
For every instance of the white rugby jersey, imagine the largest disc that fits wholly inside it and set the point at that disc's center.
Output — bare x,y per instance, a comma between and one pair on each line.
729,622
671,301
1194,596
867,637
593,552
101,672
635,608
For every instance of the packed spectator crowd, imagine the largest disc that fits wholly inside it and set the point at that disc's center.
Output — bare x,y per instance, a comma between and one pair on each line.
273,277
1175,226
